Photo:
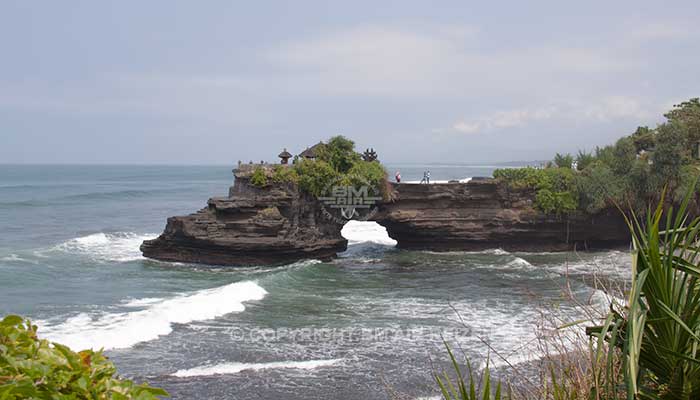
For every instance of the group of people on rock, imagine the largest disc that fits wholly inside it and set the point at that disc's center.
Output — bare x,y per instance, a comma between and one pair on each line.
426,177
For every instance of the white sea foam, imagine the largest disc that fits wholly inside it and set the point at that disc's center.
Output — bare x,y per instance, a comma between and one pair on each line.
613,264
234,367
119,247
15,258
365,231
146,301
123,330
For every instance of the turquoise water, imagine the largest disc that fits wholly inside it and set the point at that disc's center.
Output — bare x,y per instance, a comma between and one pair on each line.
69,259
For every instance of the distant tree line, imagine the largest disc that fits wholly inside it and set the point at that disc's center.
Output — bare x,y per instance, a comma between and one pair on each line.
630,173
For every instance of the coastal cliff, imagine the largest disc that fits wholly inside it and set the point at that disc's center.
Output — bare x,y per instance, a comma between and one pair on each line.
279,223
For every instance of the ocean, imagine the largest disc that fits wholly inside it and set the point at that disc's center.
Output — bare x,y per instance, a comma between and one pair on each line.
374,318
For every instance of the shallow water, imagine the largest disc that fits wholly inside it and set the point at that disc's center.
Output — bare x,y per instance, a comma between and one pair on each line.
69,259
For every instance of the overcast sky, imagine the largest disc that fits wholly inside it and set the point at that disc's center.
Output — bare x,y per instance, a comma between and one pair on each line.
212,82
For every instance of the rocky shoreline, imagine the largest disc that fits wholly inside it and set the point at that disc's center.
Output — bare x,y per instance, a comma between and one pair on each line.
280,224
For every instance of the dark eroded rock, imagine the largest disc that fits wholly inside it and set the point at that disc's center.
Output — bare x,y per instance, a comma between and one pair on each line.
484,214
273,225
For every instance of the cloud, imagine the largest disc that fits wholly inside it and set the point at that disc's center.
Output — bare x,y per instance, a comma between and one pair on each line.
503,119
605,109
662,31
373,60
613,107
466,127
430,61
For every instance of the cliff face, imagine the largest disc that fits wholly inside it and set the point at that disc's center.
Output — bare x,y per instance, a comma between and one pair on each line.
269,226
279,224
484,214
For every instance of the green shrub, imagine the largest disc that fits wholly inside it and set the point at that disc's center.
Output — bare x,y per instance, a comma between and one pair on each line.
519,178
366,173
315,176
33,368
259,177
282,174
556,191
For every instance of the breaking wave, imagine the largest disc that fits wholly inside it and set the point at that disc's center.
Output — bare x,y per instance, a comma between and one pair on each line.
234,367
119,247
123,330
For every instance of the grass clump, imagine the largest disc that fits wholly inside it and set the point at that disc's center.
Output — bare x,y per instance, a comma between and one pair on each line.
461,388
282,174
33,368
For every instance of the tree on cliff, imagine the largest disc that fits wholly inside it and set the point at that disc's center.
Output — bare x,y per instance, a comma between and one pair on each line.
339,153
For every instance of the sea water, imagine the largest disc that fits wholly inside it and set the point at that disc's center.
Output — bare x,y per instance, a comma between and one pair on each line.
376,316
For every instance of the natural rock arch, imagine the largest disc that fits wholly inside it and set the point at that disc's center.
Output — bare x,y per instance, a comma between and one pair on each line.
279,224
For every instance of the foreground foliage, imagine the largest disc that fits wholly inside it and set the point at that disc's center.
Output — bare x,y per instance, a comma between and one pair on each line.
461,388
646,346
35,368
658,332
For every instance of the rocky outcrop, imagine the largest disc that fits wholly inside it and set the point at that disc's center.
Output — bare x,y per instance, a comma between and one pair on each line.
280,224
484,214
276,224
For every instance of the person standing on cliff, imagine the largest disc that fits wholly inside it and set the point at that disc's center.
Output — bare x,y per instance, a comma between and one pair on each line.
427,177
398,177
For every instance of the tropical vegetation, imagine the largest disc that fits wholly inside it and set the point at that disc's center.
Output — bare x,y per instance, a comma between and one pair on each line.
336,163
657,333
33,368
632,172
646,347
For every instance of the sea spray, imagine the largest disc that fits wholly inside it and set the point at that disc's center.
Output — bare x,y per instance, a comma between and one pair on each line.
364,231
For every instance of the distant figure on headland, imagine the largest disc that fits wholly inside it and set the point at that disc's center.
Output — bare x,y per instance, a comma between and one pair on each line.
426,177
398,177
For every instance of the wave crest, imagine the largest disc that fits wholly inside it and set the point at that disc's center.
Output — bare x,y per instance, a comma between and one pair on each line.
119,247
123,330
234,367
